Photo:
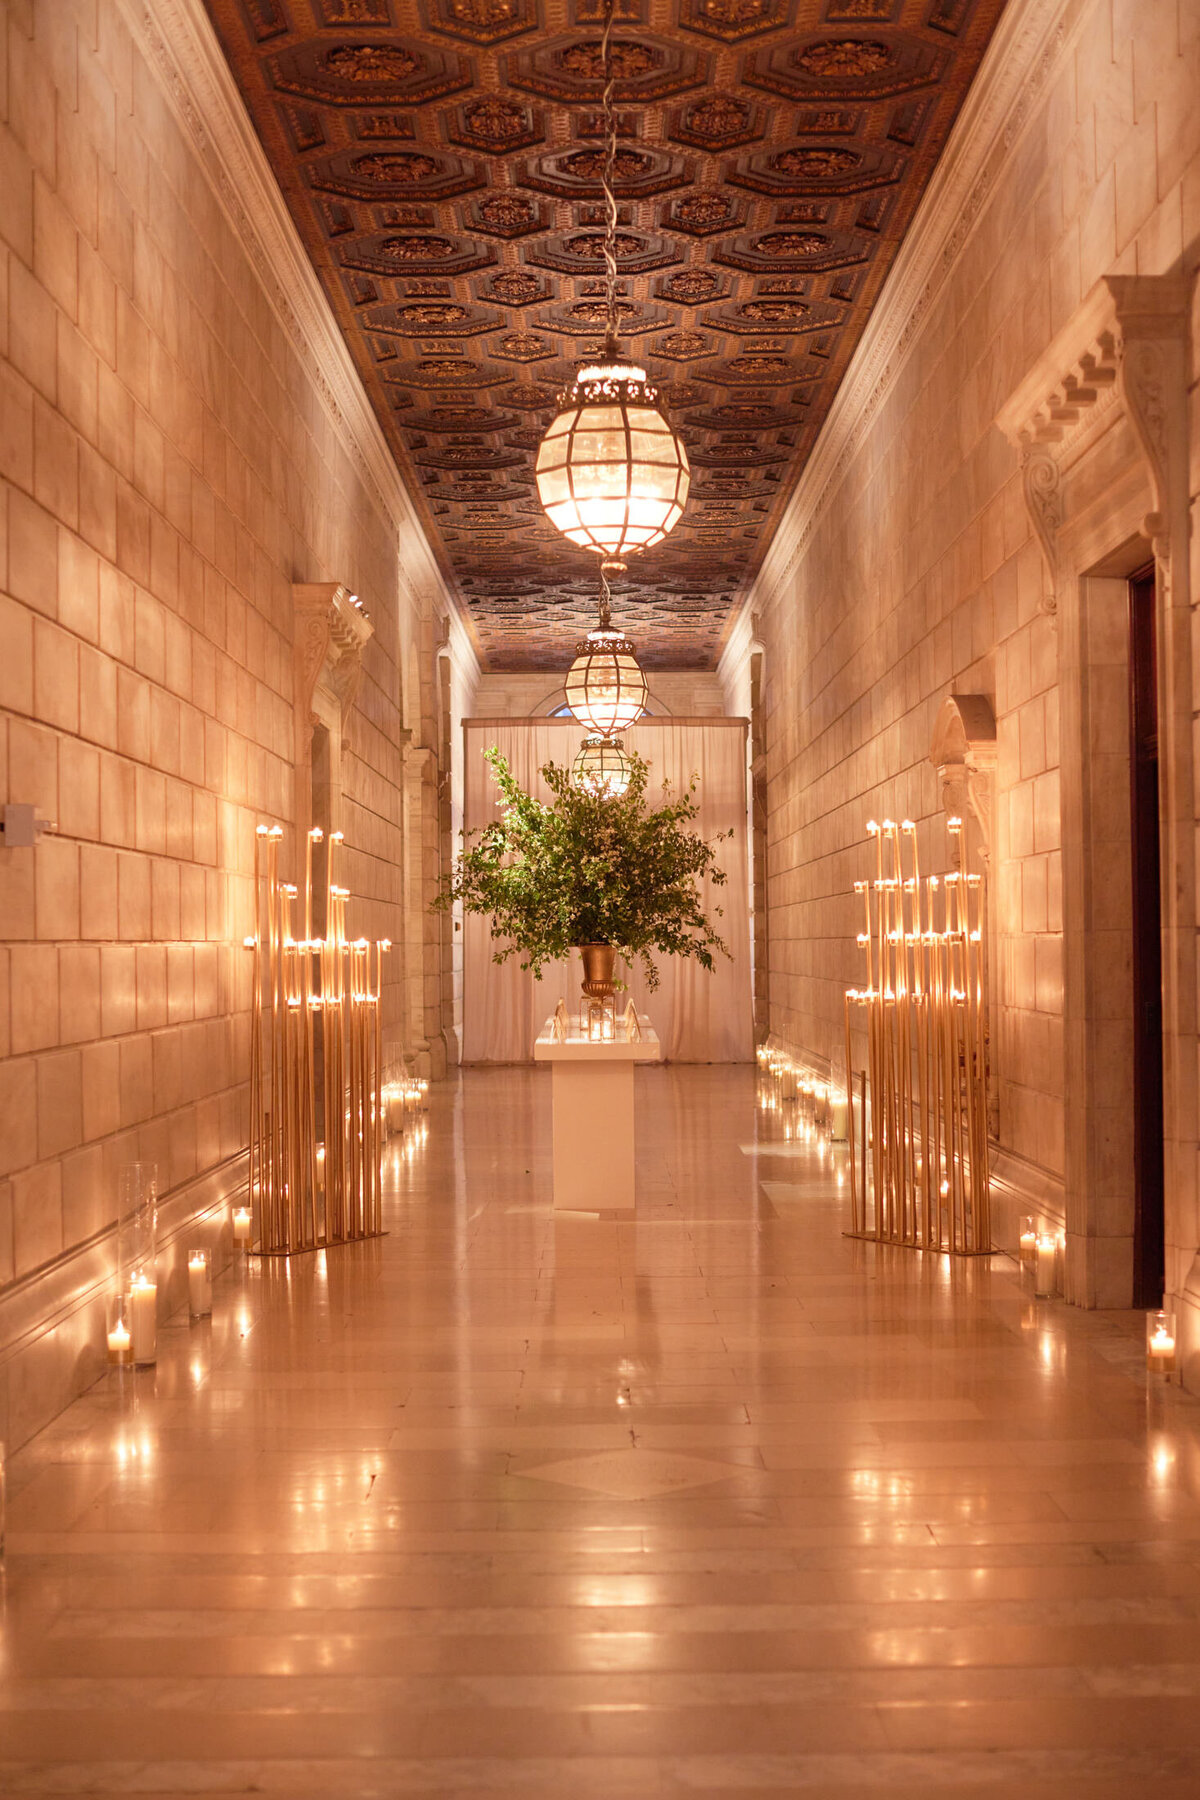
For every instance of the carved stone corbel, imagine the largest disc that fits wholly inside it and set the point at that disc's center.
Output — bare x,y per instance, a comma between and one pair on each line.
1041,480
331,629
963,752
1145,376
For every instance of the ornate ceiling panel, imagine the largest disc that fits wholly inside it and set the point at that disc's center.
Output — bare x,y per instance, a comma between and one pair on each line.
442,160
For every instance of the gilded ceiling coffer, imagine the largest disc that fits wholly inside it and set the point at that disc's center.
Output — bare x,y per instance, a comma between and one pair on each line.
444,167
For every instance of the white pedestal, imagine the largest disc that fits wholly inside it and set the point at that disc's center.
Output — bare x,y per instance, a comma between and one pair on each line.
592,1100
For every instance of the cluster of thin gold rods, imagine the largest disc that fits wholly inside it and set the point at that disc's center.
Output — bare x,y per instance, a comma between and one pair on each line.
315,1036
925,1007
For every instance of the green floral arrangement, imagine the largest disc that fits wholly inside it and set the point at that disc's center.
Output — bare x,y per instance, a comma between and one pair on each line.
588,868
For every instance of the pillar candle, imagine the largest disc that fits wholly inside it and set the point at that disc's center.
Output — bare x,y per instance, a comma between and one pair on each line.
1047,1266
143,1319
199,1285
241,1226
1160,1352
118,1343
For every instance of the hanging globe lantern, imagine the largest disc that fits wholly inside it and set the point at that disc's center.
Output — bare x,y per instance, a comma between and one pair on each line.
601,768
605,688
611,474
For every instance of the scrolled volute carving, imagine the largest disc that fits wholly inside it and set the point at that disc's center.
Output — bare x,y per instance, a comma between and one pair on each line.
1042,481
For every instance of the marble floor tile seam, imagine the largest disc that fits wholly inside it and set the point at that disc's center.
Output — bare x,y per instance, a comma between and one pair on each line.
907,1550
1079,1723
520,1507
664,1619
746,1578
1110,1649
873,1571
646,1691
1048,1776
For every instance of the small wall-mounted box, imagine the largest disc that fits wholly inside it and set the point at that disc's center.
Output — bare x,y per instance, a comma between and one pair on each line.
21,827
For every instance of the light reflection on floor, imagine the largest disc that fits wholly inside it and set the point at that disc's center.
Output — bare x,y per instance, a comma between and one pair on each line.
711,1500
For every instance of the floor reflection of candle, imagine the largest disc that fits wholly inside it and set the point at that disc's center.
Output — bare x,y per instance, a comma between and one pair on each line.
143,1319
1160,1352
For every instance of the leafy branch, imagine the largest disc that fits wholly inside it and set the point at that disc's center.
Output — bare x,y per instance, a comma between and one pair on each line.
589,868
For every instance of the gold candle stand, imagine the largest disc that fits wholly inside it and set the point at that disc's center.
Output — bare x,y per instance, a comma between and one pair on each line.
316,1133
924,1012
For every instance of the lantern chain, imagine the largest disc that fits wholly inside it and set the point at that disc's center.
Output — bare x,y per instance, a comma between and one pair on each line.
605,603
611,347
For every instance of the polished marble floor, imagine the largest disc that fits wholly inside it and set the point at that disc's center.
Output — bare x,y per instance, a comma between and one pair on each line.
711,1501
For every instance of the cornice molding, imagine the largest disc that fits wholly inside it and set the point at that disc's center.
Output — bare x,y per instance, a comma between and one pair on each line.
1026,46
1125,347
179,42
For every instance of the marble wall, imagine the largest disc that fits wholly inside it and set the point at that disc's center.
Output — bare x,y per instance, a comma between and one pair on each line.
908,567
180,442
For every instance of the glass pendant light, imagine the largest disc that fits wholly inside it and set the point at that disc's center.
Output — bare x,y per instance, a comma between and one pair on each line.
605,688
602,767
611,474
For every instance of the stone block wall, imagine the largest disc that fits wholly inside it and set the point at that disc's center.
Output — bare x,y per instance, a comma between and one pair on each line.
171,461
910,570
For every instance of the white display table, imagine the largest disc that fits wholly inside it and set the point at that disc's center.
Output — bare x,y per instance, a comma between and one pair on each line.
592,1098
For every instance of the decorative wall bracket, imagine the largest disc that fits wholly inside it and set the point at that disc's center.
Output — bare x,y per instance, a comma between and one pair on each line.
331,629
1125,347
964,754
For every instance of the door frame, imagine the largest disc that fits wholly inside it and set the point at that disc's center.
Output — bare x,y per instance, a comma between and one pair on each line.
1100,423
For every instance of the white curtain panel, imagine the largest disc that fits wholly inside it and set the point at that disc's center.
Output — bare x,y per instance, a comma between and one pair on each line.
699,1017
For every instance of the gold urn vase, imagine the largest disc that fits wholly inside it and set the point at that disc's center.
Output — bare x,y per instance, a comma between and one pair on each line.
598,960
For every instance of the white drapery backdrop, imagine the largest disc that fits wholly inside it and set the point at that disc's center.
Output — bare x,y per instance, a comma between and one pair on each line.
699,1017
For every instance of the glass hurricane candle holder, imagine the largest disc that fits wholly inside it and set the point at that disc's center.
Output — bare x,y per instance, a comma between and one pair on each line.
118,1337
199,1274
137,1258
137,1221
1045,1268
1161,1356
598,1020
1028,1244
242,1227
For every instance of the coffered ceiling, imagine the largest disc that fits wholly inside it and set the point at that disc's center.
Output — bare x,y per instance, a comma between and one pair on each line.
442,161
